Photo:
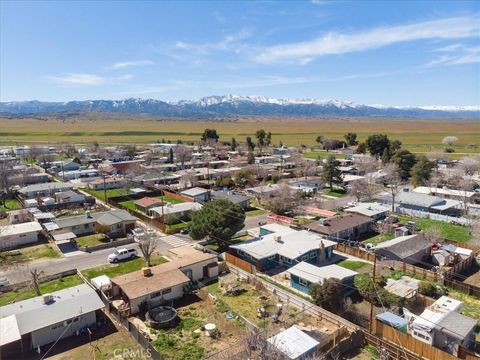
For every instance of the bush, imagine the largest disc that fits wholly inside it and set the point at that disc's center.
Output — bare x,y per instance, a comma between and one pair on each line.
427,288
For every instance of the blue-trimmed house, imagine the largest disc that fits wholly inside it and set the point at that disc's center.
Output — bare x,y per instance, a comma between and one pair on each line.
285,247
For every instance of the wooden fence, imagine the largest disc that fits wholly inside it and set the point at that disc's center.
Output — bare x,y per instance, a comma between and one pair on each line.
242,264
462,287
406,341
357,252
177,196
411,269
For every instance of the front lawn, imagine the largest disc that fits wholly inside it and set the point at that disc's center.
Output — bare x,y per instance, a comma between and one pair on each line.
10,204
449,231
256,212
121,268
359,266
45,288
91,240
336,193
28,253
177,226
224,246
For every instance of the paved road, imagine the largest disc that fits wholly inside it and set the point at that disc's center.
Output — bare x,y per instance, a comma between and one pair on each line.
78,261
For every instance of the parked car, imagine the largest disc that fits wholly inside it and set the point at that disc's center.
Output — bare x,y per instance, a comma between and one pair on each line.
122,254
184,231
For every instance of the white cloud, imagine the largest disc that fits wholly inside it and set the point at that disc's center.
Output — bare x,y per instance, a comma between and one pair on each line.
76,79
127,64
457,54
227,43
340,43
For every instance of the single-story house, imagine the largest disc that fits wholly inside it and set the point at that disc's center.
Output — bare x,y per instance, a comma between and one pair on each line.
410,248
262,190
124,166
44,319
12,236
307,186
197,194
442,326
239,199
303,274
460,195
349,179
159,284
108,183
118,223
79,174
342,227
294,344
375,211
44,189
146,203
69,196
179,210
284,249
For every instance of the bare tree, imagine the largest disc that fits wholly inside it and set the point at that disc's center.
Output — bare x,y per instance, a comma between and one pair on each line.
394,182
363,189
182,154
433,234
469,165
188,180
285,199
34,279
383,228
449,140
147,246
366,164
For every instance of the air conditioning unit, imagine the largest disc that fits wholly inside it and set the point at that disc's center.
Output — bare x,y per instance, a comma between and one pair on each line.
48,298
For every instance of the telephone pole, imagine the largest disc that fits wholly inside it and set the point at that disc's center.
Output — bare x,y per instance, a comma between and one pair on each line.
372,291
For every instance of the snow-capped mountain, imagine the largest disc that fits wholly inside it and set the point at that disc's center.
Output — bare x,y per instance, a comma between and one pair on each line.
237,105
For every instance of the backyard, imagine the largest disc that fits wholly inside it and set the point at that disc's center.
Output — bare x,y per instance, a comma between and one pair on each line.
45,288
130,204
224,246
28,253
10,204
449,231
100,194
121,268
358,266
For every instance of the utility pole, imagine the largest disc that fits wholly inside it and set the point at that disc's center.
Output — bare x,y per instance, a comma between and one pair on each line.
372,290
105,189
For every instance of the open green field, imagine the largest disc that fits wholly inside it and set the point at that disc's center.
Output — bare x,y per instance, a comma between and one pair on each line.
416,134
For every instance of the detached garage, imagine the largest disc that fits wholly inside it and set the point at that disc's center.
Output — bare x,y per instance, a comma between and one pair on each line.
13,236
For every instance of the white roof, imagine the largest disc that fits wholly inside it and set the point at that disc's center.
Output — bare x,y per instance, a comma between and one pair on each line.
17,229
64,236
368,209
293,342
428,319
101,282
291,245
176,208
349,177
316,274
33,314
446,304
194,191
9,330
440,191
277,228
463,251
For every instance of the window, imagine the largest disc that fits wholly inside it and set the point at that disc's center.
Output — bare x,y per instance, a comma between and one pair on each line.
302,282
421,336
86,226
305,257
155,295
166,291
271,257
285,260
313,255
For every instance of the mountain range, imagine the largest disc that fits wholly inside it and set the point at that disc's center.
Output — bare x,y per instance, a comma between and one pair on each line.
236,105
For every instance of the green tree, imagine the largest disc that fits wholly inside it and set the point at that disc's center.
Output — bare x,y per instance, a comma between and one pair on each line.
376,144
268,139
361,148
351,138
224,181
422,170
250,144
130,151
331,173
210,134
405,161
328,295
319,140
170,157
250,158
244,178
218,220
261,135
233,144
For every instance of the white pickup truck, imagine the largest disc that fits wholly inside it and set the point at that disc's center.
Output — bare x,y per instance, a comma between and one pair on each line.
122,254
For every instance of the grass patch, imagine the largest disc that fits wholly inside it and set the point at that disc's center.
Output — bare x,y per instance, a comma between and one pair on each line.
471,304
10,204
338,193
91,240
125,267
45,288
354,265
224,246
28,253
100,194
170,199
377,239
256,212
320,154
178,226
450,232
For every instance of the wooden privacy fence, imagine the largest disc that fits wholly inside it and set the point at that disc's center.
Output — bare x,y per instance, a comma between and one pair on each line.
240,263
406,341
462,287
357,252
411,269
177,196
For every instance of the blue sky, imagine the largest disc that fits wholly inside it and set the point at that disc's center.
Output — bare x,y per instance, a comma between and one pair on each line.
393,53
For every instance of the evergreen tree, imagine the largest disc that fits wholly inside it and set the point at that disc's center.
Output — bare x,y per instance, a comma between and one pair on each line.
331,173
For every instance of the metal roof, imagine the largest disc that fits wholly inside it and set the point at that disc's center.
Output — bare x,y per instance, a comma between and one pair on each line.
33,314
293,342
17,229
316,274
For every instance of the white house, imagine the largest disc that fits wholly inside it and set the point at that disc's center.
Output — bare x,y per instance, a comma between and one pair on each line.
12,236
197,194
47,318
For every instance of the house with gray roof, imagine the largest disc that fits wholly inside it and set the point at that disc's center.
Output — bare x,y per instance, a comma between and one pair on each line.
43,190
412,249
236,198
117,222
44,319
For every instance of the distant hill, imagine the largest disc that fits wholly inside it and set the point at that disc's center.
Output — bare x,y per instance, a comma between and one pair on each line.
236,105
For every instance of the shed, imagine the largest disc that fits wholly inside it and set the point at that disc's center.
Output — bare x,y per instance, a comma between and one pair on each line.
101,282
394,321
294,343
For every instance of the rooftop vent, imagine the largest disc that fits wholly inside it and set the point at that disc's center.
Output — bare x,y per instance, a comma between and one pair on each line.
48,298
146,272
